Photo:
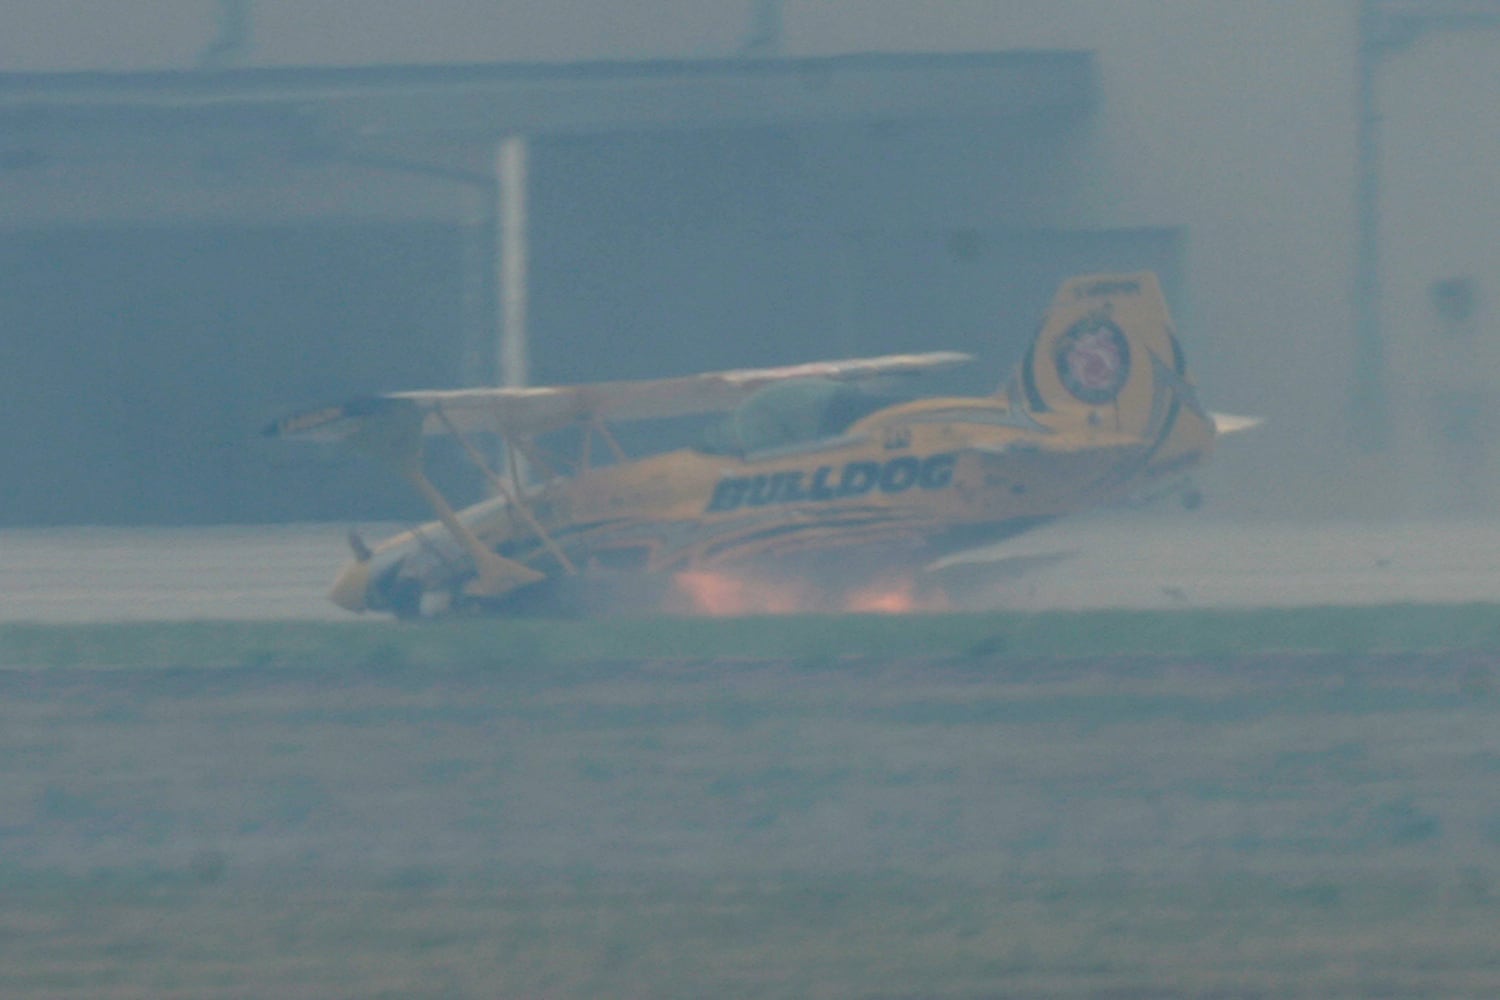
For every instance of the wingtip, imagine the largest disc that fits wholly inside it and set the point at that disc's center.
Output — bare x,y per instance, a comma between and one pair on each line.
1230,423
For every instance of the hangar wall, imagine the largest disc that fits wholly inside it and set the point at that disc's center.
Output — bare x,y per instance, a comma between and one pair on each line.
1439,92
1230,125
1234,121
138,364
48,36
759,246
140,360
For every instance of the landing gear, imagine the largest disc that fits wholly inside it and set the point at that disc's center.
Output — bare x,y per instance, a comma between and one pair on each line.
405,596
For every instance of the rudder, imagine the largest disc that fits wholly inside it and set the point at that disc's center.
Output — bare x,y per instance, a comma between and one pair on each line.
1107,356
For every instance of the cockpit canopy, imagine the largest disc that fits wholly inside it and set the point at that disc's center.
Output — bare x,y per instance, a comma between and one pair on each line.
790,413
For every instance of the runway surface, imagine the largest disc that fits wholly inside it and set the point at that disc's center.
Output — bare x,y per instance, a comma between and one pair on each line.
1127,560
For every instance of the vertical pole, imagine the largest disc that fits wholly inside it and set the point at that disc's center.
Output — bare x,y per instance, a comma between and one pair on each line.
510,292
1369,413
510,171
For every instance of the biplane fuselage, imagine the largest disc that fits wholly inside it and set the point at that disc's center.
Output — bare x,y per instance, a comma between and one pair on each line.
815,476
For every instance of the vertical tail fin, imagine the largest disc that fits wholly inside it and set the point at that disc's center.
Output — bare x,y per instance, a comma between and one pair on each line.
1107,358
1106,348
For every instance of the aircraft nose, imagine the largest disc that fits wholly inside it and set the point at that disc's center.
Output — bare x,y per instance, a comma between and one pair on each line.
351,589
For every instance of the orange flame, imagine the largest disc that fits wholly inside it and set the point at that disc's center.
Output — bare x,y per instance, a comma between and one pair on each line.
896,597
717,593
706,592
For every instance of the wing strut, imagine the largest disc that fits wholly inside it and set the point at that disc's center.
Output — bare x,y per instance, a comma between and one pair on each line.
609,439
504,487
396,437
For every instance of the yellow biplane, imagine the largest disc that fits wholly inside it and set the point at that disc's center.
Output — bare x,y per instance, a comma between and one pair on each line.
808,472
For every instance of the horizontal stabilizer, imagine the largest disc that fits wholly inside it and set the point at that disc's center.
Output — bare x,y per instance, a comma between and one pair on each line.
1229,423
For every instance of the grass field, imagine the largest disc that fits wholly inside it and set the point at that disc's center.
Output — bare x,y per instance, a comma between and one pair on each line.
808,638
1207,805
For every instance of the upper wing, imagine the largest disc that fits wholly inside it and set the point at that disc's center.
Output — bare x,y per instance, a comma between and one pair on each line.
532,409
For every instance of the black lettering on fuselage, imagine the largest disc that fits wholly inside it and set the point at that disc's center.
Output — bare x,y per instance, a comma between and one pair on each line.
762,490
729,493
820,489
900,474
937,471
858,478
828,482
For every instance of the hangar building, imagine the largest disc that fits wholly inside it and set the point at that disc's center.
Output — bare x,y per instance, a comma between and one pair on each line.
216,211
